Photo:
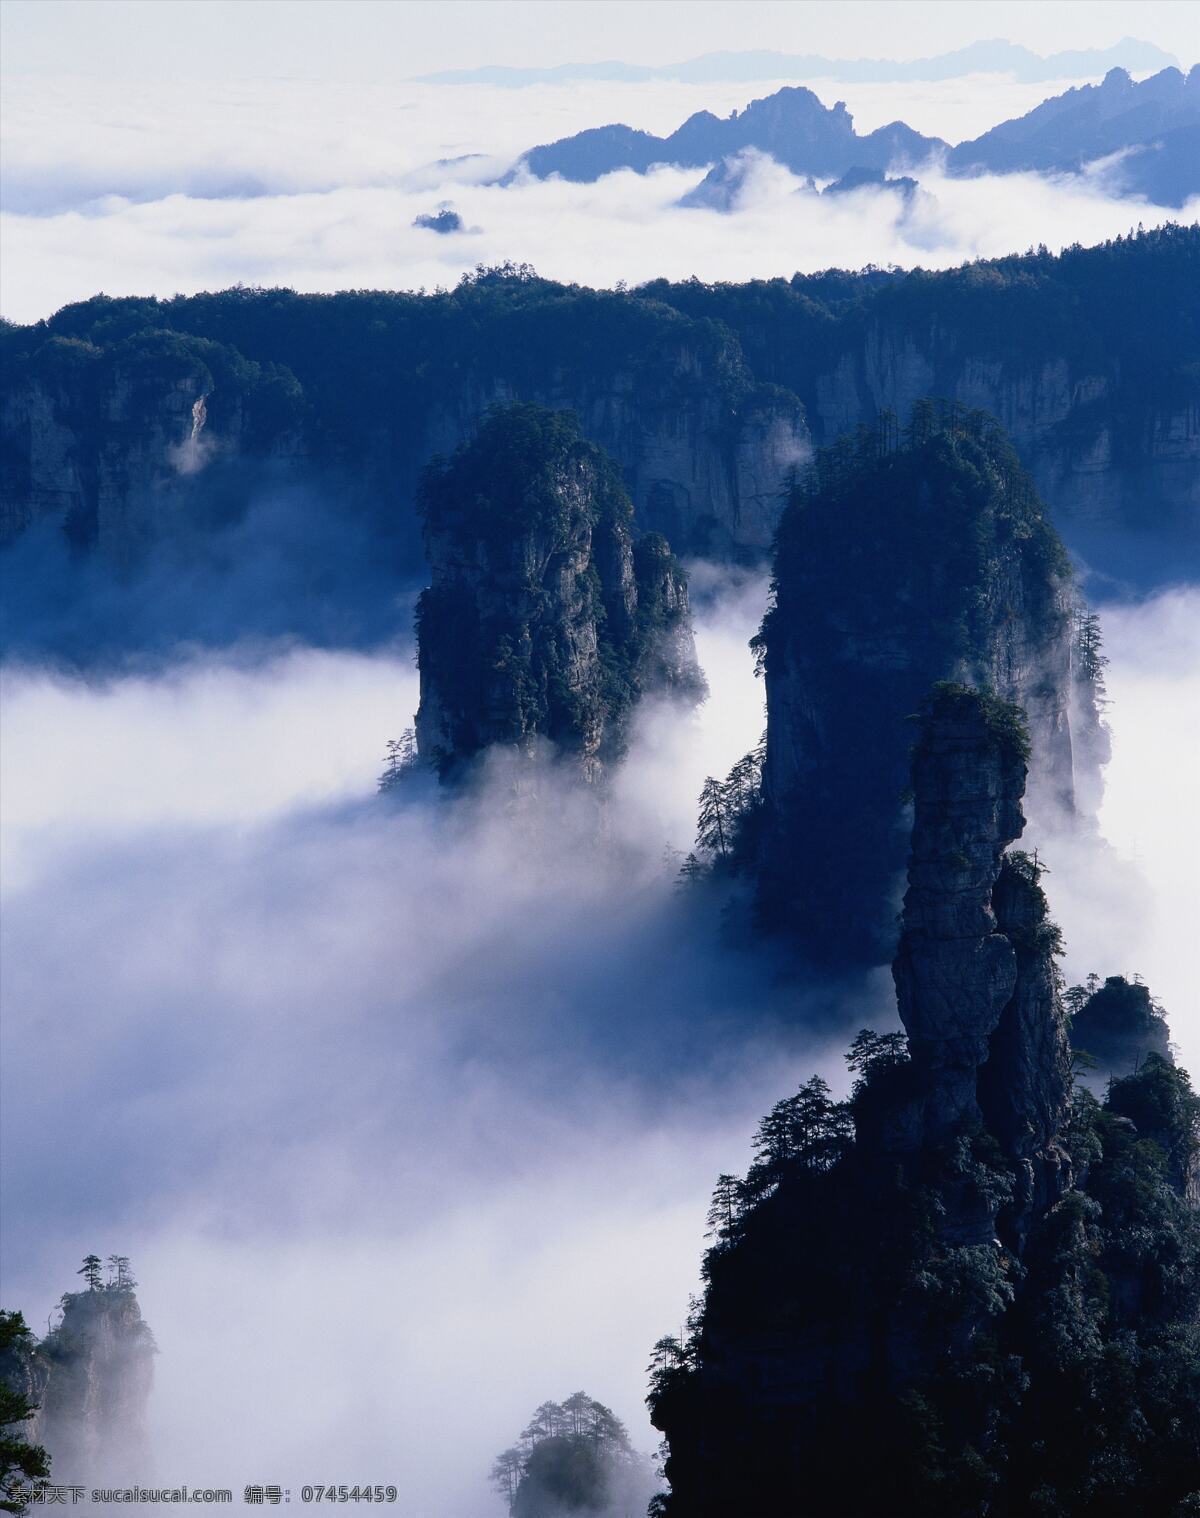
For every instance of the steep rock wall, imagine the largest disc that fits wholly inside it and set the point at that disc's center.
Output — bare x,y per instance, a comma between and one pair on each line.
1098,466
895,568
708,474
967,1272
544,621
101,437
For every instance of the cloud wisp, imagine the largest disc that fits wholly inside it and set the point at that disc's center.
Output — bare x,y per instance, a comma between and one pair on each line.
1126,901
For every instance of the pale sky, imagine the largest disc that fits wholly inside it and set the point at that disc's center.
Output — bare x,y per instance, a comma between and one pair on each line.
395,39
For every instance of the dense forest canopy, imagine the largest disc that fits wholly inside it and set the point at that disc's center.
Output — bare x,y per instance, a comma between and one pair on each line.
1127,304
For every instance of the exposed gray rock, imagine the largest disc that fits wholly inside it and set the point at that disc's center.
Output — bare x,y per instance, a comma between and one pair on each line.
955,972
931,561
544,621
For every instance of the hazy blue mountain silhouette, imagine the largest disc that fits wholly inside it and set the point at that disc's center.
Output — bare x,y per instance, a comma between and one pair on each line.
1088,123
992,57
791,125
1152,123
1165,171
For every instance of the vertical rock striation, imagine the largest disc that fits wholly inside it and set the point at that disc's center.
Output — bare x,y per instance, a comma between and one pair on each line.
899,564
955,971
995,1283
544,621
90,1378
976,984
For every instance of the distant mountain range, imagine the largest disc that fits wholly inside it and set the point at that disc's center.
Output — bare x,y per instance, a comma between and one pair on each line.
995,57
1154,124
792,126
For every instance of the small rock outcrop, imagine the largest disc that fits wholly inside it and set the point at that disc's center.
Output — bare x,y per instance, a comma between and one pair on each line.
902,561
1117,1025
873,179
992,1280
90,1379
444,221
545,620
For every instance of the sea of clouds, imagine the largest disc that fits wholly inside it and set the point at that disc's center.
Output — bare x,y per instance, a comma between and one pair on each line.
408,1116
159,187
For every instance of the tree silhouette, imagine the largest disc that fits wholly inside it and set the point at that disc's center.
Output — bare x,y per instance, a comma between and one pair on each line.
507,1470
870,1054
717,819
121,1273
23,1466
573,1456
726,1207
400,759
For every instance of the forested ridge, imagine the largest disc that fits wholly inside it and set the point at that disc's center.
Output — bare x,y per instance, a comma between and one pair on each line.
1129,302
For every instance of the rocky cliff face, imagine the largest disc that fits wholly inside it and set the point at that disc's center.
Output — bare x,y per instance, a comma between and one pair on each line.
956,1264
96,452
975,979
545,620
1100,468
99,1373
1086,359
121,441
707,474
955,971
90,1379
127,420
110,441
897,566
699,392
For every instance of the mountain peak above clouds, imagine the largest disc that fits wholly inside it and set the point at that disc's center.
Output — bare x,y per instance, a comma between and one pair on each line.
791,125
1152,124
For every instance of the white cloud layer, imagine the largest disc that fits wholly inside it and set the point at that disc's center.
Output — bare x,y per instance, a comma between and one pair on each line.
316,186
409,1123
407,1118
1128,906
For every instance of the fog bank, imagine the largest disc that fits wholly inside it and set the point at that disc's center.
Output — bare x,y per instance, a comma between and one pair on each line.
317,186
408,1120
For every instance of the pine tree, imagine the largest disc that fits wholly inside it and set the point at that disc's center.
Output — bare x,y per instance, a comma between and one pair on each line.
506,1473
726,1207
717,819
400,759
871,1053
23,1466
122,1273
1089,651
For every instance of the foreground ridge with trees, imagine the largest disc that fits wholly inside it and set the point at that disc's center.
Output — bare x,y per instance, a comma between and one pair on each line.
975,1266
